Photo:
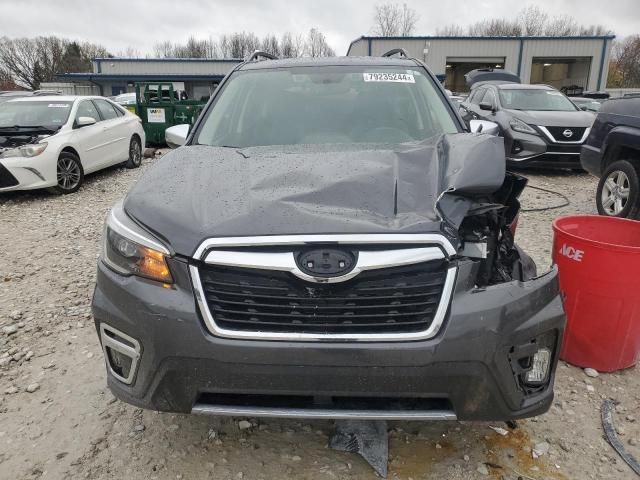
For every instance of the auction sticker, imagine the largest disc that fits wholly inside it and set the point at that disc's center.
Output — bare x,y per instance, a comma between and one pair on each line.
389,77
155,115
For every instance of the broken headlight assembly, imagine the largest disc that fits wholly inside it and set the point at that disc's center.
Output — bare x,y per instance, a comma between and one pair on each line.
129,251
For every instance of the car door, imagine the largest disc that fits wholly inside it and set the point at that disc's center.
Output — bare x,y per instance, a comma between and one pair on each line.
115,131
88,140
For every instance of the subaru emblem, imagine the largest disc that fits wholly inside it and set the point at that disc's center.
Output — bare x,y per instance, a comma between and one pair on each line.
326,262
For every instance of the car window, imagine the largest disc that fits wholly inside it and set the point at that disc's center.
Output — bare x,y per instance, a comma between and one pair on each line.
489,97
106,110
477,95
536,99
87,109
327,105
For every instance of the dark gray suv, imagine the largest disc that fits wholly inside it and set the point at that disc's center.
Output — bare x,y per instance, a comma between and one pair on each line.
540,125
329,242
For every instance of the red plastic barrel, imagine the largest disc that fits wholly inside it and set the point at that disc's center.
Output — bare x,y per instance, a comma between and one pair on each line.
598,261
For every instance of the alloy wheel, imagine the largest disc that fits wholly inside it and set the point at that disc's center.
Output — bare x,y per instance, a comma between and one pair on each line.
615,192
135,152
69,173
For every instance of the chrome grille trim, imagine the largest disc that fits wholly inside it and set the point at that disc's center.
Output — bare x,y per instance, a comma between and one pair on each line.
209,253
335,239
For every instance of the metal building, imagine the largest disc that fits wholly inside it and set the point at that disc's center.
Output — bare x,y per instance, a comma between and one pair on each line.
563,62
113,76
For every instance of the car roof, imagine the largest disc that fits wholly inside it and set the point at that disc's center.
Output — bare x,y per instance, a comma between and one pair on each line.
53,98
523,86
329,61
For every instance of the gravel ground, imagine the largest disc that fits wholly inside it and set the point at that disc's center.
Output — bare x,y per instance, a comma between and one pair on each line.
58,420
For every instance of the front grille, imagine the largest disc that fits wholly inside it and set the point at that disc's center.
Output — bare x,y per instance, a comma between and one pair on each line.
6,179
386,300
557,133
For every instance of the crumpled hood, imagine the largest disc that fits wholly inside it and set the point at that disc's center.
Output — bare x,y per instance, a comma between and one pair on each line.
555,119
197,192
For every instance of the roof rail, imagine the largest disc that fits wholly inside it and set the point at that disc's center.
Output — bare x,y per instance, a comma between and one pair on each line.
392,52
258,54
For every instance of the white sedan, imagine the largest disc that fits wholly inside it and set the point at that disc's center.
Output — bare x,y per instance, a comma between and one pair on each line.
53,142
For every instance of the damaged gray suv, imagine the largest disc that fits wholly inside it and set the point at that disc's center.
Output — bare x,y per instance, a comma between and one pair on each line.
329,242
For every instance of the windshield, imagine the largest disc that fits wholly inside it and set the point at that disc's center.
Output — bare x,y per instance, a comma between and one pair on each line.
49,114
328,105
534,99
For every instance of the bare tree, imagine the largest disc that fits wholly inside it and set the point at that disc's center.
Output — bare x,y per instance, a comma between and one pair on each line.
317,45
387,20
624,70
452,30
394,20
532,20
129,52
6,80
271,45
561,26
408,19
495,27
31,61
163,49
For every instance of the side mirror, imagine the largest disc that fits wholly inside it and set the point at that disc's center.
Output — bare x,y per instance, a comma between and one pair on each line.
486,106
85,122
484,126
176,136
584,108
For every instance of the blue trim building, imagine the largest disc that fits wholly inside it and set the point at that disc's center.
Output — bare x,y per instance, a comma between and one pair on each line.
112,76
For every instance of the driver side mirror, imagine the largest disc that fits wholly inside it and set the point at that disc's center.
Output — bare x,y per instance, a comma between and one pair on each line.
484,126
85,122
487,106
176,136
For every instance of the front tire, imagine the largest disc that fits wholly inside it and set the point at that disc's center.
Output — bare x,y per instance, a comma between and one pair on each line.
69,174
618,193
135,153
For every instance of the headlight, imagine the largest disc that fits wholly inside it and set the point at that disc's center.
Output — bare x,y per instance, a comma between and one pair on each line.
143,256
25,151
519,126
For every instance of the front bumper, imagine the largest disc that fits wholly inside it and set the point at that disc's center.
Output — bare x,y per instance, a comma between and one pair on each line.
525,150
183,368
27,173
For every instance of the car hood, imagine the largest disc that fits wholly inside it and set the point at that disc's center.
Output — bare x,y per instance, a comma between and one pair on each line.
18,139
555,119
198,192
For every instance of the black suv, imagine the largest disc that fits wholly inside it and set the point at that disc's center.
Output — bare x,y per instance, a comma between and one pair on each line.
330,243
612,152
540,125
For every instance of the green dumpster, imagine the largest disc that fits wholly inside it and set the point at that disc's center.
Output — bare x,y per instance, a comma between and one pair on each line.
159,107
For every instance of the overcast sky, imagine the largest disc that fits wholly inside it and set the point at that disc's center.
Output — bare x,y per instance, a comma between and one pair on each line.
118,24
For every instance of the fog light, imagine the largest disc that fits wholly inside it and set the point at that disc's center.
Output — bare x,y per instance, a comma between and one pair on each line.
539,366
121,352
119,362
516,147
